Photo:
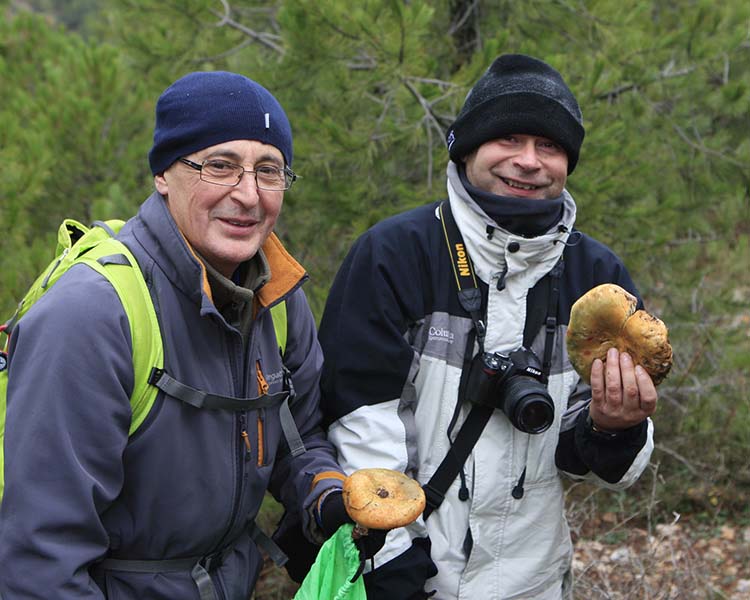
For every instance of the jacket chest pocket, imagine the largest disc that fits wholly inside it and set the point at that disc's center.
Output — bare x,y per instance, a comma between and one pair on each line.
268,381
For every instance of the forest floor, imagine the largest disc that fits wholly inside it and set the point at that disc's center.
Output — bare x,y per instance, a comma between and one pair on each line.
621,560
674,561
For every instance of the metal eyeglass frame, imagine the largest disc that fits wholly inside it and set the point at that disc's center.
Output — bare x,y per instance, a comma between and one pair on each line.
289,176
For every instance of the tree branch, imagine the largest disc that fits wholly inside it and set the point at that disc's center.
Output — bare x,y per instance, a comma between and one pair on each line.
702,148
674,454
438,121
431,121
245,43
665,73
225,16
458,24
265,39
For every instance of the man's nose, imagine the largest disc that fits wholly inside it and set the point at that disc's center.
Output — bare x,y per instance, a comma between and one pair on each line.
246,191
528,157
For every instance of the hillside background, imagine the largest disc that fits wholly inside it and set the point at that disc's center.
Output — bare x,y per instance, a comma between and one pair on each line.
370,88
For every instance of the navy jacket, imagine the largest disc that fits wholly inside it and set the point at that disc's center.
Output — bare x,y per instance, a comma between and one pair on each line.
79,490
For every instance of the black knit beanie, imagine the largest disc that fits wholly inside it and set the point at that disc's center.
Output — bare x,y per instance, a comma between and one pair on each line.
206,108
518,94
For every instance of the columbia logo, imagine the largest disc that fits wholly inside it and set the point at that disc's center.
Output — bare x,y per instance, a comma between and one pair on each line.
441,334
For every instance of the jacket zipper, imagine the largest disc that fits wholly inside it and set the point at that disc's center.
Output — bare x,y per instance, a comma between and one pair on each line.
245,437
262,389
243,455
261,453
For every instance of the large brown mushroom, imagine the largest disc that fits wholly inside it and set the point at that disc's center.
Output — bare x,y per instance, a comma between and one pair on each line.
382,498
606,317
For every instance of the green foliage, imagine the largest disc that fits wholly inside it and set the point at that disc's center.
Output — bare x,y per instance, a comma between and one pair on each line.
366,101
72,126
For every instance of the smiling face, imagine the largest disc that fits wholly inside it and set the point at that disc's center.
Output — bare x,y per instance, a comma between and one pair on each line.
226,225
523,166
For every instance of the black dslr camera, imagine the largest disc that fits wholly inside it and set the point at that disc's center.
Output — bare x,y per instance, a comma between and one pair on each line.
516,385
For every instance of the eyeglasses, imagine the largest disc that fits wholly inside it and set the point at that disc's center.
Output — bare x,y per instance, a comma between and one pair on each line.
221,172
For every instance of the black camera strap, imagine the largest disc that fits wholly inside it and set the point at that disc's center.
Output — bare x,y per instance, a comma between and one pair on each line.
469,294
470,298
541,309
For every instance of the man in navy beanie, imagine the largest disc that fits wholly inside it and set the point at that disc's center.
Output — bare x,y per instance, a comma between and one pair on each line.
163,506
444,338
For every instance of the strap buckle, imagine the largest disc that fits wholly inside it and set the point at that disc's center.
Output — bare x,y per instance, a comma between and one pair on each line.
155,376
433,496
211,562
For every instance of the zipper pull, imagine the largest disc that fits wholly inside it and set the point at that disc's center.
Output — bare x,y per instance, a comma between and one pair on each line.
245,438
501,279
262,383
517,492
52,271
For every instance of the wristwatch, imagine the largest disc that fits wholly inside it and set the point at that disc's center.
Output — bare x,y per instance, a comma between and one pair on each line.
602,432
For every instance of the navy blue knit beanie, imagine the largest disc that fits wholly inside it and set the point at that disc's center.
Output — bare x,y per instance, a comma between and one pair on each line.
518,94
206,108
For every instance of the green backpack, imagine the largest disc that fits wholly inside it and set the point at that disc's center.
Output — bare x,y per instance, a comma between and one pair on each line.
77,243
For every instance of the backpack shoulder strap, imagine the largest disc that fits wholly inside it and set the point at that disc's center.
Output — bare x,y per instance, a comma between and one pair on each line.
288,425
112,259
73,240
278,314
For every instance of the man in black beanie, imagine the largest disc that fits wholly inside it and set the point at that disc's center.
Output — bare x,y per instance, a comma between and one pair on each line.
153,495
444,338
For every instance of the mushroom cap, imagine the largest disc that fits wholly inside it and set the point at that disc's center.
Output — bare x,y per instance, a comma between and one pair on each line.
382,498
606,317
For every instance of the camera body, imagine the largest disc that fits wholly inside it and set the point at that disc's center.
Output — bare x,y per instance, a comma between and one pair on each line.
515,384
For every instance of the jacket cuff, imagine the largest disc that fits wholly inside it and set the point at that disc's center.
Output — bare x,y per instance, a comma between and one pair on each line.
328,482
590,429
608,454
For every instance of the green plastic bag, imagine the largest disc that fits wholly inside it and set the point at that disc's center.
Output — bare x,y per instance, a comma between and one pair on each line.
330,576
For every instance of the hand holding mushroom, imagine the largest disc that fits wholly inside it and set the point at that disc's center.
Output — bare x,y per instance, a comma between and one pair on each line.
382,499
376,501
622,352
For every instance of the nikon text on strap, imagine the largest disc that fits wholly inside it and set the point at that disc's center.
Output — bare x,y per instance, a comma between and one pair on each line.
470,298
469,294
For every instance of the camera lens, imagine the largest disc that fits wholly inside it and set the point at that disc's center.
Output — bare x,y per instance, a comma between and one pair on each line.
536,414
528,405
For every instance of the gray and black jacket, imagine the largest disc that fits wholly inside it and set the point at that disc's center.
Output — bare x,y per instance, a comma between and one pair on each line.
394,336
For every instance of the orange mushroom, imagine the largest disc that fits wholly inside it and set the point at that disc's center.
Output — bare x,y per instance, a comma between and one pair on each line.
606,317
382,498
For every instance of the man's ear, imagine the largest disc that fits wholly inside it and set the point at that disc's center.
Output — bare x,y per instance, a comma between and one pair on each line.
161,184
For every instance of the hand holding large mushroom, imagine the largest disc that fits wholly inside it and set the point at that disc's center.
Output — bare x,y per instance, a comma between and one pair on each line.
606,317
377,500
633,351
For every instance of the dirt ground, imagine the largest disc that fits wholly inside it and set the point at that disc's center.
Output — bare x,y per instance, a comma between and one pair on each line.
621,561
674,561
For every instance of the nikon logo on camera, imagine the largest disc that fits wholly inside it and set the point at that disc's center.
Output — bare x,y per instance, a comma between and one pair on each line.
462,262
534,372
